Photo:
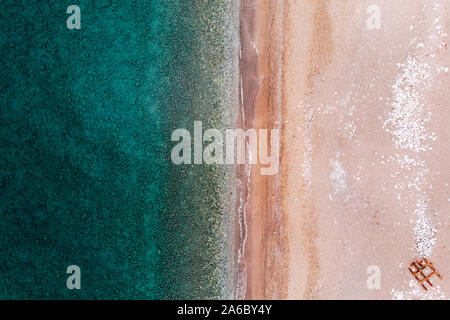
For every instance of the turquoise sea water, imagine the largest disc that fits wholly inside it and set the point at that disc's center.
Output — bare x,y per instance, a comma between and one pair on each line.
85,123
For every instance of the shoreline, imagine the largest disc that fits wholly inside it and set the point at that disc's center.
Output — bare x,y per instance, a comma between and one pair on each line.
265,251
248,70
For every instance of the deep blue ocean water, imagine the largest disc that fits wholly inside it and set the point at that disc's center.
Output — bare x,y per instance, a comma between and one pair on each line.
85,123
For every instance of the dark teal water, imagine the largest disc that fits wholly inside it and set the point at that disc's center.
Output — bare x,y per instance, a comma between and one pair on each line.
85,123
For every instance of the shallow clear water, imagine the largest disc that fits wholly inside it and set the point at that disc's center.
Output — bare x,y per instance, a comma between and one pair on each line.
86,176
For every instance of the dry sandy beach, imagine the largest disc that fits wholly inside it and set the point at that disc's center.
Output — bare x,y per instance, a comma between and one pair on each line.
362,105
